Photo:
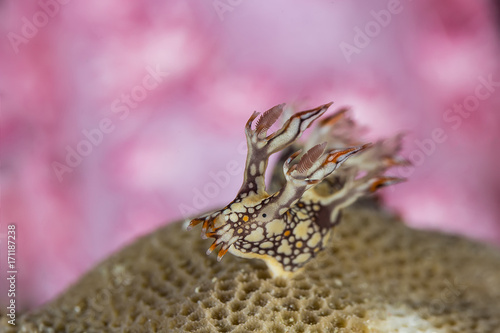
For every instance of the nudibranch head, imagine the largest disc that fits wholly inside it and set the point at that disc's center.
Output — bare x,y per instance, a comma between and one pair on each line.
290,226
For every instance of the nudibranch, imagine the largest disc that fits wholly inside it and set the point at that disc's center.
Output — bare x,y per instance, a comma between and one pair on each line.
289,227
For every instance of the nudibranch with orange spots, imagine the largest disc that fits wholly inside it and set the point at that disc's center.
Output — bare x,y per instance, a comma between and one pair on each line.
289,227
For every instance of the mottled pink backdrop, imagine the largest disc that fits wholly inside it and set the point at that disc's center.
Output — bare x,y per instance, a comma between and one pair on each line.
163,89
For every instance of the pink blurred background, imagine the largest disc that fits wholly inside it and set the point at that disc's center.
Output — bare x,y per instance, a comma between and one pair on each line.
163,89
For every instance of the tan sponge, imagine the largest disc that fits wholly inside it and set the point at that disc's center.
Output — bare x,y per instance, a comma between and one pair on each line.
377,275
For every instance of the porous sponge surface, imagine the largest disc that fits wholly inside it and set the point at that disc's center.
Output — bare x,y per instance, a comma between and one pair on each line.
376,276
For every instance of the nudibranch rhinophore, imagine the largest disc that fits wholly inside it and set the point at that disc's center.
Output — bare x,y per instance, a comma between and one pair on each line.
289,227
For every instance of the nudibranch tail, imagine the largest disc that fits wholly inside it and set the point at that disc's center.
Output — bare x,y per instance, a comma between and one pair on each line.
193,223
289,227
